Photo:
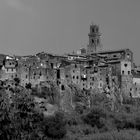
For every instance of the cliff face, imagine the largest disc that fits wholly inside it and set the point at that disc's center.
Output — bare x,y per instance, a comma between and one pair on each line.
67,99
73,98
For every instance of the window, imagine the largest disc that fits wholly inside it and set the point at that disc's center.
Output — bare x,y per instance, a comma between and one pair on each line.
73,77
123,72
128,55
97,41
92,40
95,69
113,79
97,30
125,65
128,72
100,84
77,77
52,65
58,74
62,87
26,76
107,80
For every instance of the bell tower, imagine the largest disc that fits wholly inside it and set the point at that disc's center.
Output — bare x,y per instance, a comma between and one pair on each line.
94,39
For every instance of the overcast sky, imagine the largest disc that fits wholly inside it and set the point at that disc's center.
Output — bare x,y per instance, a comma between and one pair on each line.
59,26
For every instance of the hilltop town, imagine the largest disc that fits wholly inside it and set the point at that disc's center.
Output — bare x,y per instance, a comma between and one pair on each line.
89,68
83,93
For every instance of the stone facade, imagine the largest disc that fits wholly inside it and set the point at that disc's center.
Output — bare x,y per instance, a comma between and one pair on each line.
90,68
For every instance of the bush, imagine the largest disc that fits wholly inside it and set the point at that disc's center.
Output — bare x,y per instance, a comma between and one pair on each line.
123,121
128,100
95,117
112,135
55,126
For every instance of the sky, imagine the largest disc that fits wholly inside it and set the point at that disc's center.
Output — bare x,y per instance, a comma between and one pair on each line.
61,26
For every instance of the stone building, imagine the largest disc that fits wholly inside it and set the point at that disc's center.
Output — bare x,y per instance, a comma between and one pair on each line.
90,68
120,61
135,91
9,69
34,70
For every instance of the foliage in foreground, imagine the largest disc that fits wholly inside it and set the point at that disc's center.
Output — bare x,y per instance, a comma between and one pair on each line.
99,123
20,121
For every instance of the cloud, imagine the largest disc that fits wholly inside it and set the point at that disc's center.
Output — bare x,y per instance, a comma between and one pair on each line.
18,5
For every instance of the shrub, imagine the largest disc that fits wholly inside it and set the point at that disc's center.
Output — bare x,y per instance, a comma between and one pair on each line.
55,126
128,100
95,117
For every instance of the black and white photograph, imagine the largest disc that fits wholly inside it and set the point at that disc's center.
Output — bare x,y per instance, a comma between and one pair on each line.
69,70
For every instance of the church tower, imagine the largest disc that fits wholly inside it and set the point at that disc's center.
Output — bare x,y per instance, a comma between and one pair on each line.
94,39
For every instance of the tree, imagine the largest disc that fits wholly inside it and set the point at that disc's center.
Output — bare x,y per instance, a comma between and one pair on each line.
17,80
28,86
4,116
19,120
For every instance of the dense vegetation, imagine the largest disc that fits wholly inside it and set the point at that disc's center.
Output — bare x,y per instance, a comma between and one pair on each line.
100,123
19,120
